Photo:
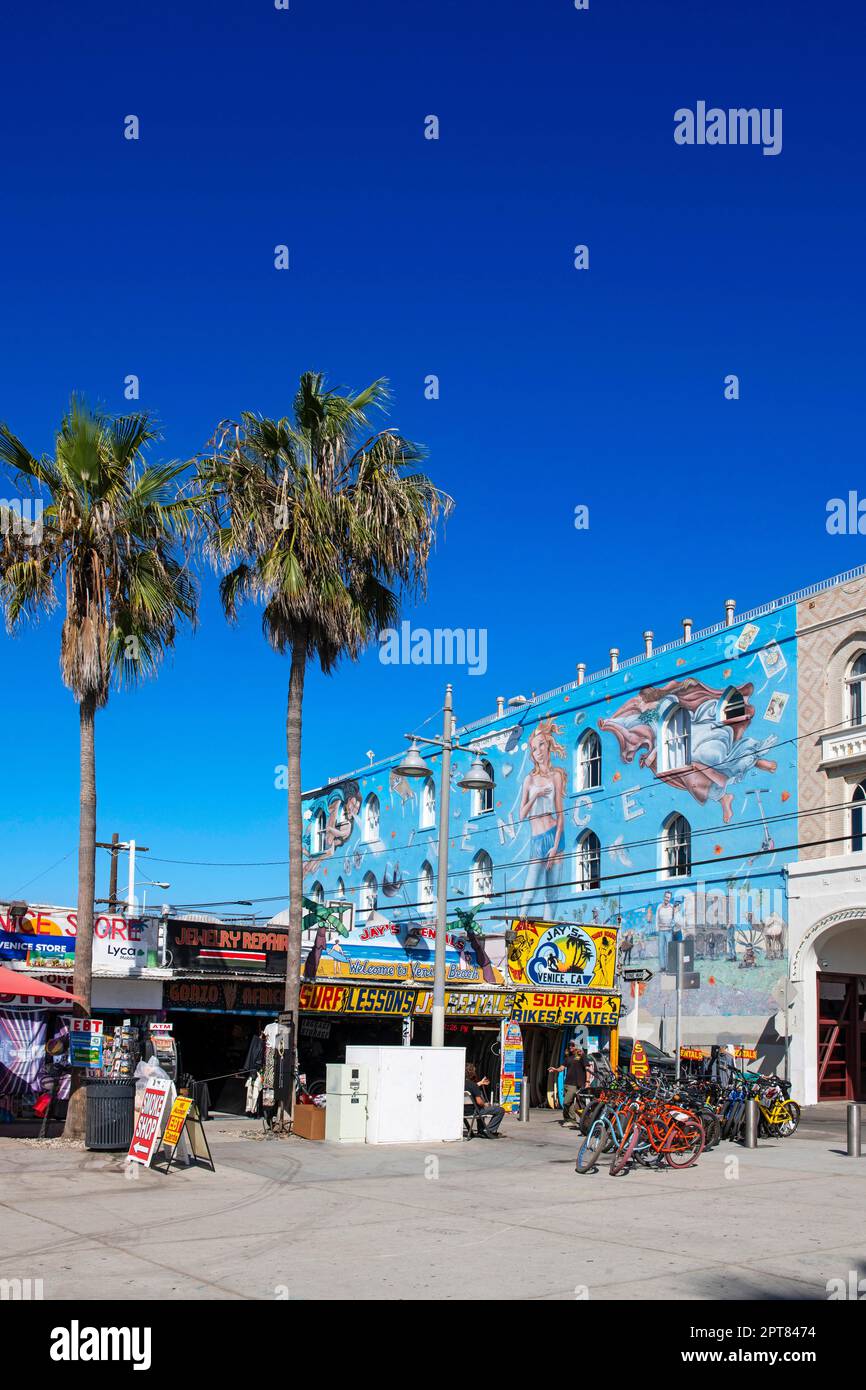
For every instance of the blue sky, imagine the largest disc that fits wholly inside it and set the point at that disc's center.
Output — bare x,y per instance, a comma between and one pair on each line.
411,257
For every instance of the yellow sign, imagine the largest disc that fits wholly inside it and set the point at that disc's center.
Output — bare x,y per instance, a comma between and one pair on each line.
595,1010
749,1054
561,955
692,1054
467,1003
173,1129
639,1064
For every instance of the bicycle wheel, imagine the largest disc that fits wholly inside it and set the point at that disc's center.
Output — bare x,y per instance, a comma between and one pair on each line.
621,1158
590,1150
685,1144
712,1127
788,1126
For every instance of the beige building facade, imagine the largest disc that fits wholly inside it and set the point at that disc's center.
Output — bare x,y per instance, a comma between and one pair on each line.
827,879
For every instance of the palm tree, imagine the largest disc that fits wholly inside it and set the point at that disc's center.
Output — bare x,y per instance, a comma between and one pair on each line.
106,540
326,524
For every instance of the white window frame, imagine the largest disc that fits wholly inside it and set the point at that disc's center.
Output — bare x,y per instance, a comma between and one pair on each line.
369,894
589,764
674,846
482,801
427,888
856,689
480,863
589,857
317,833
366,836
427,813
677,740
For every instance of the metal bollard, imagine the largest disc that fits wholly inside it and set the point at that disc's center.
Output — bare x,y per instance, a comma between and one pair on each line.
853,1131
524,1101
750,1127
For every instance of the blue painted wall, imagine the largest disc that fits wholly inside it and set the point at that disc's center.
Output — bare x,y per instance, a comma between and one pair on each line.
740,800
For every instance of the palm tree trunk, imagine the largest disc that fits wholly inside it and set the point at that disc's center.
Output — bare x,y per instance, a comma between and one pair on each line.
296,829
82,977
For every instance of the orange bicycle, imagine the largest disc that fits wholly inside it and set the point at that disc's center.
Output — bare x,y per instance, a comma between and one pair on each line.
657,1132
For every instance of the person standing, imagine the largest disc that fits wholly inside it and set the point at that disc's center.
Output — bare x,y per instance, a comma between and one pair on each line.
576,1077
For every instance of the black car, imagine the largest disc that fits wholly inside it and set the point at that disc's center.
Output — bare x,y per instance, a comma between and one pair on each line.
659,1061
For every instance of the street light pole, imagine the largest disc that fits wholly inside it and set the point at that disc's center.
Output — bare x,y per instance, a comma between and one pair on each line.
477,779
438,1021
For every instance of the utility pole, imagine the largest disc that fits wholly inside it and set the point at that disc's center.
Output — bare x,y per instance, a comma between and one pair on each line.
114,846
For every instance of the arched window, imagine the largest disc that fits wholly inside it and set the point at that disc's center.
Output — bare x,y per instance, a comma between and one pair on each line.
482,801
858,817
857,690
733,707
317,892
677,848
371,818
428,804
341,888
317,833
676,740
426,891
589,861
482,876
369,894
589,762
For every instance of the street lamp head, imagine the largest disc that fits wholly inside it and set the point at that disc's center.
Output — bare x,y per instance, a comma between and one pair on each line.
477,779
413,765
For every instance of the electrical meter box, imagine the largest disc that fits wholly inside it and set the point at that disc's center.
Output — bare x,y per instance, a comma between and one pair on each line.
346,1105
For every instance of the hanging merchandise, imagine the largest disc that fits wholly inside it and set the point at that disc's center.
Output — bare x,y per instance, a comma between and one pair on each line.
254,1070
278,1070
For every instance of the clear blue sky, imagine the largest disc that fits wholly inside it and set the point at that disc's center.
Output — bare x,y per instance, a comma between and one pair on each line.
411,257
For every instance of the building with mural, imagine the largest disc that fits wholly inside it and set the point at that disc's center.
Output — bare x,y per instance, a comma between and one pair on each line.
660,798
711,791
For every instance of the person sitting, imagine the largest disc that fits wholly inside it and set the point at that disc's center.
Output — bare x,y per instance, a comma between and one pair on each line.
488,1128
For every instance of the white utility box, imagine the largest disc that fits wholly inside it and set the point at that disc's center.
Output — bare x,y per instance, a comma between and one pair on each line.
346,1104
415,1094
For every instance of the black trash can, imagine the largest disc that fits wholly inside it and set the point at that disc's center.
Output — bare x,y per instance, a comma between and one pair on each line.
110,1114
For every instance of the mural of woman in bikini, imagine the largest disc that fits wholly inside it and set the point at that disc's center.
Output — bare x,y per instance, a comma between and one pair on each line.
720,752
541,803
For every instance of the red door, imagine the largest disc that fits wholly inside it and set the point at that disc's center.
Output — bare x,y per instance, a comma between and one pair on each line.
841,1037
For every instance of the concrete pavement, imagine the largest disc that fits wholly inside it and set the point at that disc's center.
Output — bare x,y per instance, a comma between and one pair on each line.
289,1219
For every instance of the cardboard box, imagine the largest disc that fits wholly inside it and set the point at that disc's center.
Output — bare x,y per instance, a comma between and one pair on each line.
309,1121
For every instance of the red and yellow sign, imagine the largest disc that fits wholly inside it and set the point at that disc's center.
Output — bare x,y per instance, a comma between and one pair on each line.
749,1054
639,1063
176,1120
692,1054
595,1010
